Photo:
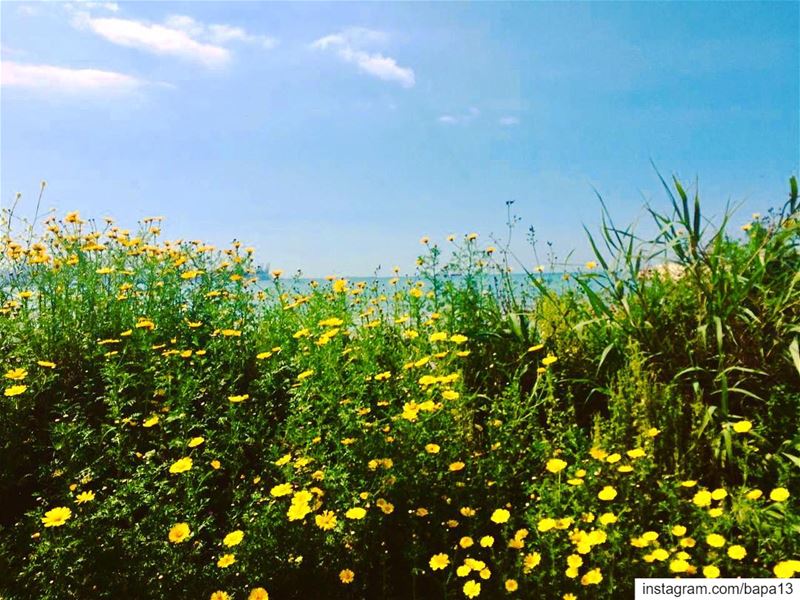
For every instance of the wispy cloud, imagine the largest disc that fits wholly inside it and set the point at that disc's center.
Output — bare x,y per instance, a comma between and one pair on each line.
29,10
218,33
508,121
156,39
180,36
54,78
348,46
451,119
109,6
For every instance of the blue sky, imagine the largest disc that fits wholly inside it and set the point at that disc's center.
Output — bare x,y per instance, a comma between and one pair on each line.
333,136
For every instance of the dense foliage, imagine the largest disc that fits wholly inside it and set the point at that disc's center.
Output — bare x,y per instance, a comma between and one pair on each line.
174,426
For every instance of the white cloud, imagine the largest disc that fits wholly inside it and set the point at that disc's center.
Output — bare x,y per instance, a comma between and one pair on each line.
157,39
50,77
508,121
29,10
185,23
218,33
109,6
449,119
227,33
178,35
348,47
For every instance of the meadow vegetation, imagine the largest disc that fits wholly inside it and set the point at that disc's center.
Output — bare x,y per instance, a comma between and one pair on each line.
174,426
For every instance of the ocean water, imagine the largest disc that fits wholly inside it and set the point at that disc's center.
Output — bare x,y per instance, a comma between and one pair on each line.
520,283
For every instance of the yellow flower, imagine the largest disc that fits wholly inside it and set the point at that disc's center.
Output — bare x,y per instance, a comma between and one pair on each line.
226,560
742,426
511,585
608,493
179,532
346,576
531,561
15,390
258,594
679,530
710,572
754,494
487,541
151,421
592,577
614,458
439,561
718,494
636,453
549,360
87,496
546,524
356,513
195,441
650,536
715,540
56,517
305,374
556,465
652,432
16,374
689,483
702,498
233,538
679,566
283,489
215,464
500,515
472,589
450,395
608,518
569,596
456,466
598,453
298,511
779,494
737,552
660,554
574,561
465,542
326,520
785,569
181,466
239,398
432,448
219,595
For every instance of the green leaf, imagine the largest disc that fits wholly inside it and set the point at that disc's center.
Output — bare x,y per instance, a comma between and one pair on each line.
794,351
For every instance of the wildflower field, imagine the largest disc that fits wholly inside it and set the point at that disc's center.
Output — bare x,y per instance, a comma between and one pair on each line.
174,426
